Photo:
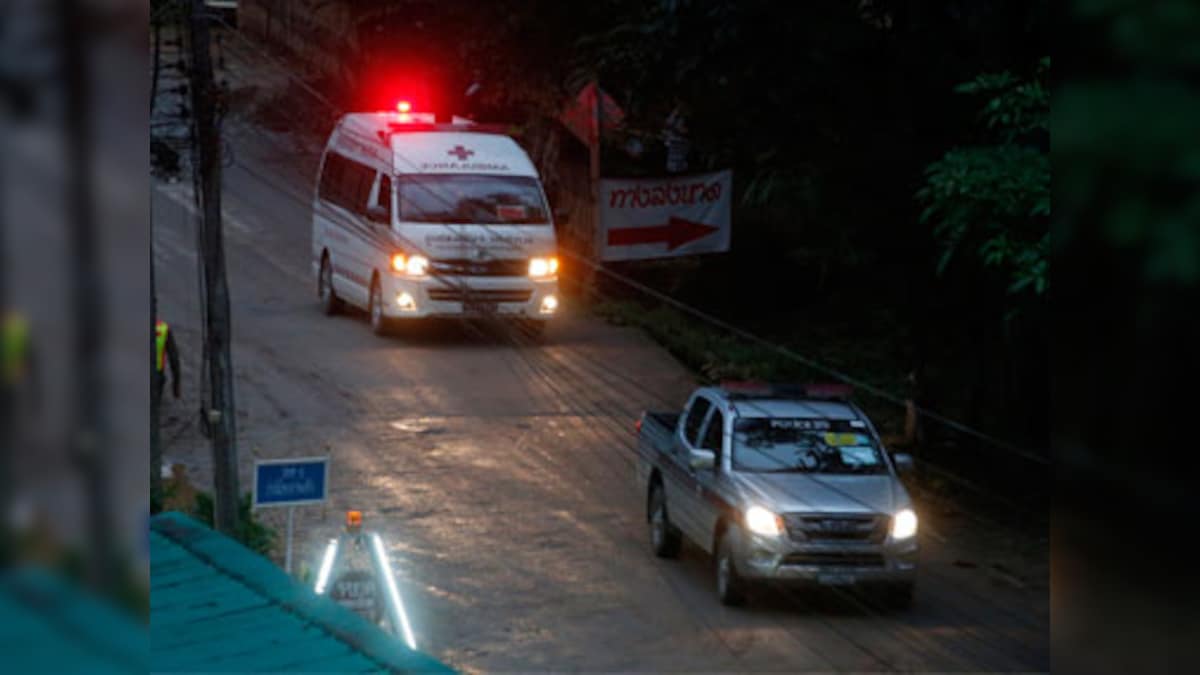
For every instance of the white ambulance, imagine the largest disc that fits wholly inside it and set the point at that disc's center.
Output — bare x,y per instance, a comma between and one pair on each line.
416,219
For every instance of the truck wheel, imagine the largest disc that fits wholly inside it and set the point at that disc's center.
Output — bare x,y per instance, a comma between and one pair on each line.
330,303
731,588
665,539
899,595
380,324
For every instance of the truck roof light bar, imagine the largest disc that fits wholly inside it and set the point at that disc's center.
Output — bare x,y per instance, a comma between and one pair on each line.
835,391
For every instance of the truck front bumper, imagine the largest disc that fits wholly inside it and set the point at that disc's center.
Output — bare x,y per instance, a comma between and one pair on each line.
842,563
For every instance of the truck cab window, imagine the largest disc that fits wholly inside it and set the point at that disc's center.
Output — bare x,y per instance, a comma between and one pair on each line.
713,435
695,417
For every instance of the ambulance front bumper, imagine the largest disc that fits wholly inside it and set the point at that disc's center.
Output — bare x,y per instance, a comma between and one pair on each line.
505,297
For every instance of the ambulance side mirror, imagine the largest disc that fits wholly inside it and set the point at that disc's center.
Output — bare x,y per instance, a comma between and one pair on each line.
377,213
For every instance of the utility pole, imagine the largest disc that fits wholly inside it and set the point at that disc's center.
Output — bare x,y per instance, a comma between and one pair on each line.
90,439
594,175
220,413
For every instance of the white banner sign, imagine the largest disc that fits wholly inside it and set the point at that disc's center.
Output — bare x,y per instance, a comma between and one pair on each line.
665,217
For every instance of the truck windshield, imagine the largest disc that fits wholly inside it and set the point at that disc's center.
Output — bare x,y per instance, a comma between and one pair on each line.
471,199
804,445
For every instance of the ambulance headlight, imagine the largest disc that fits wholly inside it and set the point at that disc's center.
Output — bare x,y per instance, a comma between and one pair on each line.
412,265
418,266
543,267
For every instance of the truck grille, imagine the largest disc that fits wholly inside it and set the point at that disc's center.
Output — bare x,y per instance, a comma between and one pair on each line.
462,267
480,295
834,559
815,527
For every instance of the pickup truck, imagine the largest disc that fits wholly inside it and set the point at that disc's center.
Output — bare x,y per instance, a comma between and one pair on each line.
782,484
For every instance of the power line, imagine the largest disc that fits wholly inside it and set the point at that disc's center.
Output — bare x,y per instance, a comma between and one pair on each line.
806,361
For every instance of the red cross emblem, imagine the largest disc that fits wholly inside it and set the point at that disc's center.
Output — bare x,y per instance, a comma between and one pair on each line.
461,153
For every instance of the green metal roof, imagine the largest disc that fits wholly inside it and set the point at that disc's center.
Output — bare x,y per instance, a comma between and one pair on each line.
52,626
215,606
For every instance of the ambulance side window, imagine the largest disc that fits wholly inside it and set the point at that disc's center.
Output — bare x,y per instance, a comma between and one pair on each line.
331,174
382,210
346,183
357,187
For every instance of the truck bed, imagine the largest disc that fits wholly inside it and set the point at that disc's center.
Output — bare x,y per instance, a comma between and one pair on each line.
667,420
656,435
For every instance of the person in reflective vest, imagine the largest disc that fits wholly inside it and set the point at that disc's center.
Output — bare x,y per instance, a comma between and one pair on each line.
15,351
165,353
18,410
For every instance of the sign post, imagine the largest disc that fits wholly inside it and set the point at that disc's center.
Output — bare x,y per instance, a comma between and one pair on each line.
290,483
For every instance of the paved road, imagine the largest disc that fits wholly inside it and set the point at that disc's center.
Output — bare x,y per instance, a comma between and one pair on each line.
501,474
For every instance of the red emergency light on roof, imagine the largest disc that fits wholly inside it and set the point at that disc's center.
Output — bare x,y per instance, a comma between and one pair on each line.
403,106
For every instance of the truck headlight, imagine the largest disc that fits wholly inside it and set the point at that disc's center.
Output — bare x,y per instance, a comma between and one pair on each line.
543,267
904,524
762,521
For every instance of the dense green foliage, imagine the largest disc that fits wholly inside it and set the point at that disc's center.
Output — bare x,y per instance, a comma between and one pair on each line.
251,532
1126,235
995,199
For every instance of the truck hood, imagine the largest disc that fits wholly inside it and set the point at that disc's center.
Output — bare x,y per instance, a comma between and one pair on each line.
822,493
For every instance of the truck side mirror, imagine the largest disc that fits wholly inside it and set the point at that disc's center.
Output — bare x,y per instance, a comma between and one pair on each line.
702,459
904,462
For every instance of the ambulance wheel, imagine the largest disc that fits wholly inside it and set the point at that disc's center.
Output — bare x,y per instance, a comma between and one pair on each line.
330,303
380,324
534,329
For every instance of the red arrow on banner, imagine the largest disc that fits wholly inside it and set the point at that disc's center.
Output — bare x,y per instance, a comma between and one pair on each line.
675,233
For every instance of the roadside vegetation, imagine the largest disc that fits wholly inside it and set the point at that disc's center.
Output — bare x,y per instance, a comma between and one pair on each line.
179,495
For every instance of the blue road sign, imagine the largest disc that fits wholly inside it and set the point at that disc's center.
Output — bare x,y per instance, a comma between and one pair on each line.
287,482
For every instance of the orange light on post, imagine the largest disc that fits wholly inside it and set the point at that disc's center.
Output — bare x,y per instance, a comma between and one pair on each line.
354,520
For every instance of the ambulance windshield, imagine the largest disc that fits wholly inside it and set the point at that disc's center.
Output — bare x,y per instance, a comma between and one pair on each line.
471,199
